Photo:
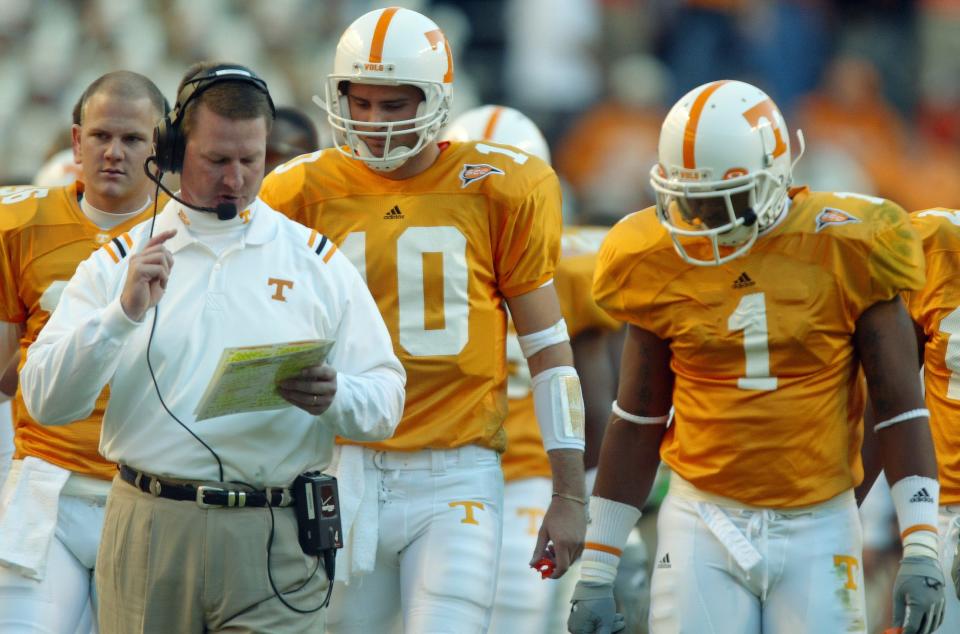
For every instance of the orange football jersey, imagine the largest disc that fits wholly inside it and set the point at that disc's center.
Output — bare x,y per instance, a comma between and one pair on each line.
440,251
936,308
768,394
44,236
525,456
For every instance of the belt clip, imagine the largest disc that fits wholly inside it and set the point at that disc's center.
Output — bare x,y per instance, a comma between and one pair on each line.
155,487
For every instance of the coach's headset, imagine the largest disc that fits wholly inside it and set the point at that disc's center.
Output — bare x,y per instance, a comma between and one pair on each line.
169,140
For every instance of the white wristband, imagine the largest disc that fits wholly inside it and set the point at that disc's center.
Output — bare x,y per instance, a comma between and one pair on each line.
607,533
638,420
915,499
558,406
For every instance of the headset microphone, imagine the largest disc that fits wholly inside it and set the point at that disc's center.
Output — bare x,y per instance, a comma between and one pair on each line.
749,217
224,211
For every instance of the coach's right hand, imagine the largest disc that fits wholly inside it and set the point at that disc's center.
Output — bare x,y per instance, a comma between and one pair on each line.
594,610
147,276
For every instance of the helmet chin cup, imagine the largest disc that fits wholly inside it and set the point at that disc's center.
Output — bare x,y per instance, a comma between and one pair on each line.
389,162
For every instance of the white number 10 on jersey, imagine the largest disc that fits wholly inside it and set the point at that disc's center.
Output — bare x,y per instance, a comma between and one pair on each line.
447,332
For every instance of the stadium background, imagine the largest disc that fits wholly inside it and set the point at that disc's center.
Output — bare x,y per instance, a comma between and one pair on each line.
874,85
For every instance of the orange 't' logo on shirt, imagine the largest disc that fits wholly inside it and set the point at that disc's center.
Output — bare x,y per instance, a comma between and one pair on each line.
280,284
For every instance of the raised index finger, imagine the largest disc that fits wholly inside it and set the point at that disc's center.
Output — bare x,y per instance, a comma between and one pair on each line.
160,238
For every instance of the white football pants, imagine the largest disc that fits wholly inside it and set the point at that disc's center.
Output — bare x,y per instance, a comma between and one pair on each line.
64,602
723,568
438,548
950,537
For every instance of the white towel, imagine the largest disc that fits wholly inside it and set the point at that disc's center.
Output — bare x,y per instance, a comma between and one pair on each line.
359,512
28,515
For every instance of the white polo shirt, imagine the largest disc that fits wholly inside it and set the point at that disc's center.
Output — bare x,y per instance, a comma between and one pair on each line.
278,281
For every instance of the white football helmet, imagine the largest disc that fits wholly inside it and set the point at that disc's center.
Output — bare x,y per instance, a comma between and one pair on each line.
390,47
59,170
724,169
499,124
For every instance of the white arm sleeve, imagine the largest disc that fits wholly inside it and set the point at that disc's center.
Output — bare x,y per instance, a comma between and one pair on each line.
558,406
370,379
77,352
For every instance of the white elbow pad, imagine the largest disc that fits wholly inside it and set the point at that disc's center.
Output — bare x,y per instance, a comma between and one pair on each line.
558,404
534,342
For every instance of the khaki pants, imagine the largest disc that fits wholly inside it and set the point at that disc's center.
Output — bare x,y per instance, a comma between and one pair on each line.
170,566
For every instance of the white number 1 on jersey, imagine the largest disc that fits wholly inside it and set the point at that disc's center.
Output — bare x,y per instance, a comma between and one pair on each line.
750,316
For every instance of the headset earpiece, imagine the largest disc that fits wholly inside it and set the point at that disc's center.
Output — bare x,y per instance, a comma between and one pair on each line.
168,137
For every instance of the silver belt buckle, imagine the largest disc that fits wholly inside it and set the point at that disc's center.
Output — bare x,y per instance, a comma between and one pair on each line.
201,503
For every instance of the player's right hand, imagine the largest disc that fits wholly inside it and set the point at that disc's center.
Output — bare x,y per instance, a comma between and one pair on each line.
918,600
593,610
147,276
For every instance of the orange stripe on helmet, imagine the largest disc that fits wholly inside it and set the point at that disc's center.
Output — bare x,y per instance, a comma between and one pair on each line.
436,37
380,34
690,133
492,123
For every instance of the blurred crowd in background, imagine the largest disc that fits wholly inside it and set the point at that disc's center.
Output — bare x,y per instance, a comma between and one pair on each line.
875,86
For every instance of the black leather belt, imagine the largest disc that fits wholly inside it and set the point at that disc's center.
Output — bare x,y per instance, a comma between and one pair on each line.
207,497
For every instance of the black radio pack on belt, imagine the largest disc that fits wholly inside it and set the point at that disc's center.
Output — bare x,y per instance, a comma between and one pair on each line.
317,503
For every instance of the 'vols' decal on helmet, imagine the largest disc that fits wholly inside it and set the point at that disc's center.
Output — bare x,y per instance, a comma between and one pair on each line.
475,171
830,216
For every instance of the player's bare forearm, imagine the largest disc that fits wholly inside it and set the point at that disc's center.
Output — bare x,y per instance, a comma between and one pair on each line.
9,377
598,379
628,462
631,452
566,465
885,340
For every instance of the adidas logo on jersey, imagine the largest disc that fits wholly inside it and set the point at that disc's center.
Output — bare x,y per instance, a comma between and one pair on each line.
743,281
922,496
664,562
393,214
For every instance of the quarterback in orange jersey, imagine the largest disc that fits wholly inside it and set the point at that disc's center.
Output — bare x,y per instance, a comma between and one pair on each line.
51,506
752,308
446,235
936,313
524,602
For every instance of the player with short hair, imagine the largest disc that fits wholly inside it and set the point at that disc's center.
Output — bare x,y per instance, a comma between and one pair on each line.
752,307
446,235
58,478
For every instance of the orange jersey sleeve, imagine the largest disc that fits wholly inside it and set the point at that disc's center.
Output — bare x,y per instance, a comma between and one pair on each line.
440,252
768,395
936,309
43,237
525,456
